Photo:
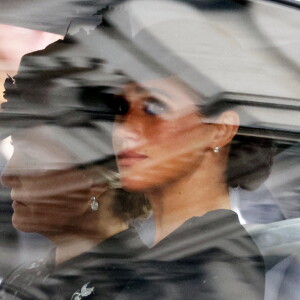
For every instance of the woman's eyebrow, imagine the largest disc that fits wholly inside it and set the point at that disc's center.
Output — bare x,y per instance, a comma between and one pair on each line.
161,92
148,90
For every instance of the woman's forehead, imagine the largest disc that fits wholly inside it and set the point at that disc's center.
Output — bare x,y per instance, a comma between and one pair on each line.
169,89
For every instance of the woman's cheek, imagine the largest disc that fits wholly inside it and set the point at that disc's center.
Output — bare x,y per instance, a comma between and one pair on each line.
182,136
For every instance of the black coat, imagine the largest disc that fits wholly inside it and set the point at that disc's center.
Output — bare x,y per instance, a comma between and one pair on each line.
100,273
208,258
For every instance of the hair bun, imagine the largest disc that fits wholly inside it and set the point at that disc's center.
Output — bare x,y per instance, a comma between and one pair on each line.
250,162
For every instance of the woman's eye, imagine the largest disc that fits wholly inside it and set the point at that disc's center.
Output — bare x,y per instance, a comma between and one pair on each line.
121,106
154,106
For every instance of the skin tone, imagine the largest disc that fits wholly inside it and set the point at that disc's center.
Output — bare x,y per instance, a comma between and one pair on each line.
164,148
52,198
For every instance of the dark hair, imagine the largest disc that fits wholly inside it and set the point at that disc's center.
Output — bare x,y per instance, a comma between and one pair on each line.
130,205
249,162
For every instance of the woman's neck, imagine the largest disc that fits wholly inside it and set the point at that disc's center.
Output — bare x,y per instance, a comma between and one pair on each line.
89,231
69,245
72,246
193,195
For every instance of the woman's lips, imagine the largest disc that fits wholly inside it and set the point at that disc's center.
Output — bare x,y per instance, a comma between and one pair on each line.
17,200
128,158
16,204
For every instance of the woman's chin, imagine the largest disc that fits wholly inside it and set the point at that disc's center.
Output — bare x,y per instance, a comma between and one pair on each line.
23,225
32,225
134,184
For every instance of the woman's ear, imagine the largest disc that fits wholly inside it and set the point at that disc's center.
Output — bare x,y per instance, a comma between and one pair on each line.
226,126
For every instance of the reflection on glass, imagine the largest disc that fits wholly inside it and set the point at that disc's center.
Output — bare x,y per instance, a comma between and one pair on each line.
192,120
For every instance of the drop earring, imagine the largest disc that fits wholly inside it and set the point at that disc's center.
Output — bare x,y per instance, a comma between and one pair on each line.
216,149
94,204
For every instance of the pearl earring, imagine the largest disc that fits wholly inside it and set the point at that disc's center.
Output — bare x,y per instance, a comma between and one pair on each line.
216,149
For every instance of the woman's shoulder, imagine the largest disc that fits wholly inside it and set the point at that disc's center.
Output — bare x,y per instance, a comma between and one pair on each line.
218,230
99,273
208,257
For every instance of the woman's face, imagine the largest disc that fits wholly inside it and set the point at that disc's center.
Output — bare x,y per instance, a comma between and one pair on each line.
47,193
161,138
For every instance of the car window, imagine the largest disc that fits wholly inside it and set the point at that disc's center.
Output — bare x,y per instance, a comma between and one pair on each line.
149,149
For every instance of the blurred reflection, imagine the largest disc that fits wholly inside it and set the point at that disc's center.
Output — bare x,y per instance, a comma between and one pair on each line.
72,207
16,42
284,182
180,139
64,187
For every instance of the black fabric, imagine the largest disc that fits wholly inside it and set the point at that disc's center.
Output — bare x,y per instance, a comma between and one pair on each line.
210,257
104,270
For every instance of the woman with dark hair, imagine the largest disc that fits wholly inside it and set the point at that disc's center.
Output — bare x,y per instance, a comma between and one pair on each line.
184,160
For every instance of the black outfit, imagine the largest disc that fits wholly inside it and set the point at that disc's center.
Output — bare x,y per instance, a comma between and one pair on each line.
101,273
208,258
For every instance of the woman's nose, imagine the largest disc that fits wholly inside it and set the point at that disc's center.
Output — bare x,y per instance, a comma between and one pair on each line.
128,134
125,136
